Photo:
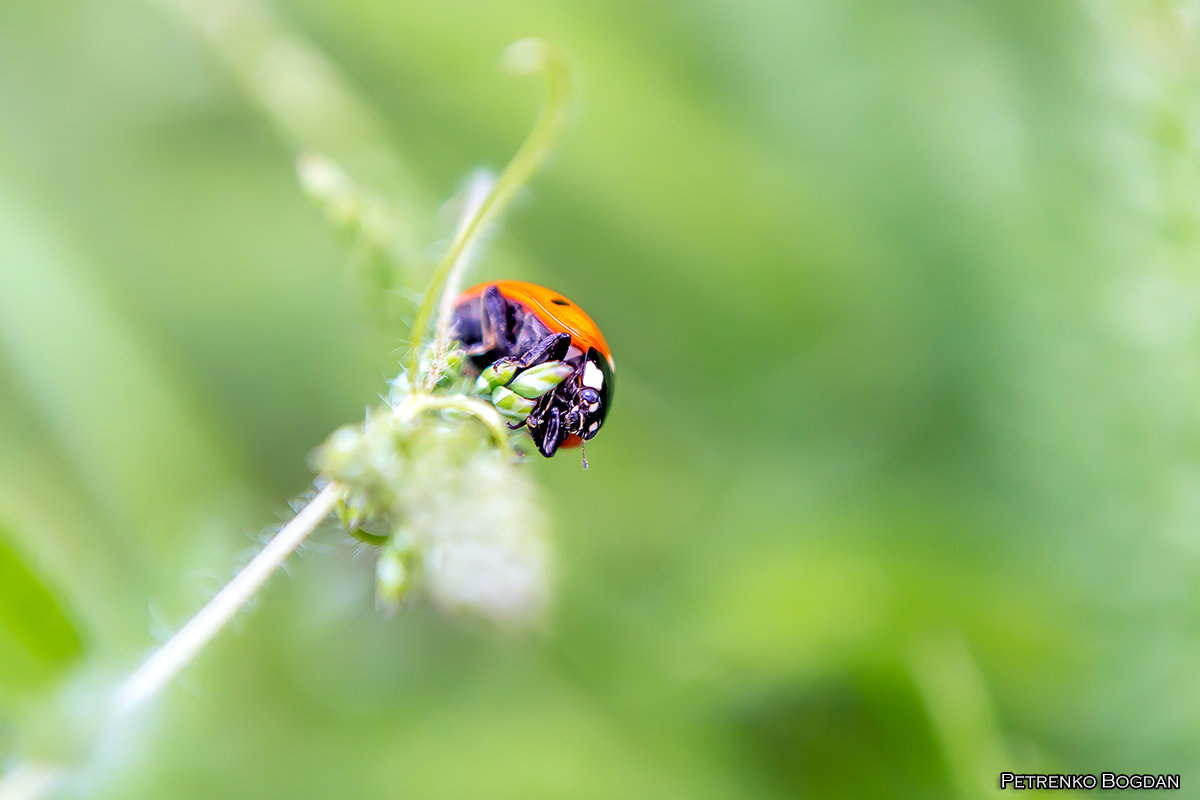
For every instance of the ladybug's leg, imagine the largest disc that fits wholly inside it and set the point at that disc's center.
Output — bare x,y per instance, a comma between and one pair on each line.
502,371
550,348
494,322
547,433
528,331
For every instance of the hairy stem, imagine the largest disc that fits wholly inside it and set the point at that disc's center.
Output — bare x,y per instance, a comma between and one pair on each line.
30,781
33,780
170,659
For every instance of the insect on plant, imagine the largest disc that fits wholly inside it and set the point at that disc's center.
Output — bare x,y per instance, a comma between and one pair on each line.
431,477
544,362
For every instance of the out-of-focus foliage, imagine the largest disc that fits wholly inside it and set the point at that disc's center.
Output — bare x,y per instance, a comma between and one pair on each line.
900,488
34,634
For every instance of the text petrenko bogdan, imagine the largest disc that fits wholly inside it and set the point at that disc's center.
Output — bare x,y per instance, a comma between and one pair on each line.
1100,780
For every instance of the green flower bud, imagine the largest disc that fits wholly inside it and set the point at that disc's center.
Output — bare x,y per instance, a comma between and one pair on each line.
498,374
536,381
455,359
351,514
511,404
391,577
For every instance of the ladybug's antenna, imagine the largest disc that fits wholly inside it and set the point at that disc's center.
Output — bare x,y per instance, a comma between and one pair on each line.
583,451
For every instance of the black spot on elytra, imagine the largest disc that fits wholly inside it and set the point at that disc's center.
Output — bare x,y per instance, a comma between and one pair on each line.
558,301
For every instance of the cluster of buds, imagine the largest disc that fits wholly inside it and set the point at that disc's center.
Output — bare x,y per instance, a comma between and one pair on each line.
431,480
513,391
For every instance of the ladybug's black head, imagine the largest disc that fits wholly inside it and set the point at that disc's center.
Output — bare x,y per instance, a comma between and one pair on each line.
576,407
595,393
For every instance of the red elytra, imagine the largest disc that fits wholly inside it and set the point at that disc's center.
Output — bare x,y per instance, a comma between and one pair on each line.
557,312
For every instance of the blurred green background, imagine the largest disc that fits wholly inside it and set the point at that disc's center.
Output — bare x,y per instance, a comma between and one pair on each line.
901,486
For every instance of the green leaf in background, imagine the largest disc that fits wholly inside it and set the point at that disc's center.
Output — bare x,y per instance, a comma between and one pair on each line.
952,529
31,618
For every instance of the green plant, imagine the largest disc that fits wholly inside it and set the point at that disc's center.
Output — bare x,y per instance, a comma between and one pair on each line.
431,477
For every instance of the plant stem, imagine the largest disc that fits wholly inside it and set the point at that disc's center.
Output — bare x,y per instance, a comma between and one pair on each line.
481,411
30,780
525,56
477,190
170,659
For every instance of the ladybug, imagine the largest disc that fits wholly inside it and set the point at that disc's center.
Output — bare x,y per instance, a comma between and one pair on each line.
529,325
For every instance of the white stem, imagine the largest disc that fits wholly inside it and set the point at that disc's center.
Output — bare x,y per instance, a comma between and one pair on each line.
169,660
476,192
32,781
